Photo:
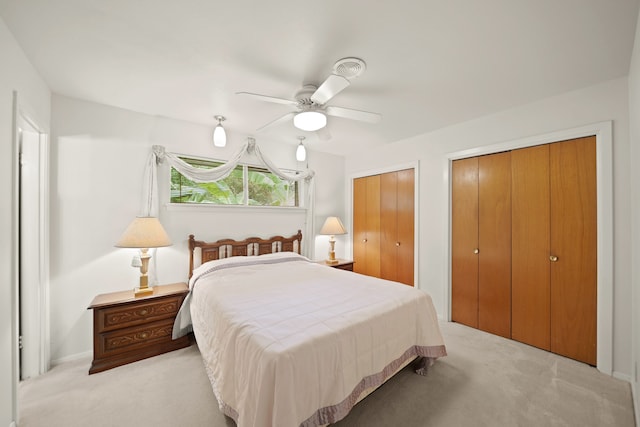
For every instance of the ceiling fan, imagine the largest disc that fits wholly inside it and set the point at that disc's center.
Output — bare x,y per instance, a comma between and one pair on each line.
310,102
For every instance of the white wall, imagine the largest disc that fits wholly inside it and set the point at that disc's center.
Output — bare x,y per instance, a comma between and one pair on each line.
16,74
98,159
634,119
607,101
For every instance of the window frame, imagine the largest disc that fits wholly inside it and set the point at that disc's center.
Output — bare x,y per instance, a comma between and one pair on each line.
300,191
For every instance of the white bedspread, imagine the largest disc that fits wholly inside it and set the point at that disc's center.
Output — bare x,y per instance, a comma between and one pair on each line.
289,342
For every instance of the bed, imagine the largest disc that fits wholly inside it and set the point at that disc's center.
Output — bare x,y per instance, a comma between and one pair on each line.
289,342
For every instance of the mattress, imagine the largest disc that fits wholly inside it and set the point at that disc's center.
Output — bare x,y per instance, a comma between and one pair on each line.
288,342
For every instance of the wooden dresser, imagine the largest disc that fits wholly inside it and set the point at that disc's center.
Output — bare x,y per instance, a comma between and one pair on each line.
128,328
342,264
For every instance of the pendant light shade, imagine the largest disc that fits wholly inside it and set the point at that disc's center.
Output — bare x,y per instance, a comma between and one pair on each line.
310,120
219,135
301,152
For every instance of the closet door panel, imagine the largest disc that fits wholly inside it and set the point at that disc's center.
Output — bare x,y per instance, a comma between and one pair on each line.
494,236
574,243
366,225
530,289
388,225
359,224
464,242
406,226
373,226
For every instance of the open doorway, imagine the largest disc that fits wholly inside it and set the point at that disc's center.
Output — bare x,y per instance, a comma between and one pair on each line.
33,242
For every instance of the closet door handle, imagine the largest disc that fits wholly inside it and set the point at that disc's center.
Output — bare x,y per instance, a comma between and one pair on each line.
397,243
553,258
476,251
364,240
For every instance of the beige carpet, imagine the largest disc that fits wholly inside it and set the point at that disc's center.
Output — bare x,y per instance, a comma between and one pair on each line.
484,381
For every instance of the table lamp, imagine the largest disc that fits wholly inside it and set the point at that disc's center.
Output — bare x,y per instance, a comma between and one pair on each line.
144,233
331,227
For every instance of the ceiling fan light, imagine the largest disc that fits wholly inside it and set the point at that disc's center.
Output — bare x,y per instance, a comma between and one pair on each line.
310,120
301,153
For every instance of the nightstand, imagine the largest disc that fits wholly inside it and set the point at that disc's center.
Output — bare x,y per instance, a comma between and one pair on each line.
342,264
127,328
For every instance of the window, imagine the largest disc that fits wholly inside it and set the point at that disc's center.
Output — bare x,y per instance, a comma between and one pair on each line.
245,186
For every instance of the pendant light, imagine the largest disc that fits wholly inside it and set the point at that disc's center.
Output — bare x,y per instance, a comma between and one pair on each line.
301,152
219,135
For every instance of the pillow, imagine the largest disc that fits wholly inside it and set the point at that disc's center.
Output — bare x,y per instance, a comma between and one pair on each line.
277,255
242,259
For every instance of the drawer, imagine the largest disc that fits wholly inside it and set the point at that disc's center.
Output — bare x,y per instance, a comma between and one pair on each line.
137,313
134,338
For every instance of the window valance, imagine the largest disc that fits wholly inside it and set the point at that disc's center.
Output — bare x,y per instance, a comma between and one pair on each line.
159,157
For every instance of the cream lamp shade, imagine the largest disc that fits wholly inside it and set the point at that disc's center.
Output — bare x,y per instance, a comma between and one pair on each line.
144,233
331,227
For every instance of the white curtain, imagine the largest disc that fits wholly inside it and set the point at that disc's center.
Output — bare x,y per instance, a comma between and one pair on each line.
158,156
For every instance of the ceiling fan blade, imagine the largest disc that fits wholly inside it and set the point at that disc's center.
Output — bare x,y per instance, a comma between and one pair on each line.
269,98
277,121
332,86
323,134
348,113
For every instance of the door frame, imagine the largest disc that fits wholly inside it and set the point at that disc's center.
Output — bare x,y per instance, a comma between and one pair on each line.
603,132
22,112
416,207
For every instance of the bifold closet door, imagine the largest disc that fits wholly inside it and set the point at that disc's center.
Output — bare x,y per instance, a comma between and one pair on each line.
530,286
397,226
494,243
481,243
574,249
366,225
464,241
554,259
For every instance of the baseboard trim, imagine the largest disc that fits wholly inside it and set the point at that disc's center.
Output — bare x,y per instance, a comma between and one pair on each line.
72,358
634,397
621,376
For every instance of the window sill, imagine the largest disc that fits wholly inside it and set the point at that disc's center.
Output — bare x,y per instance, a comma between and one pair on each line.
188,207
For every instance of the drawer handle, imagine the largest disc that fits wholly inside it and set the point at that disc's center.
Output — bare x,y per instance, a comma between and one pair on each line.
397,243
364,240
553,258
143,312
476,251
144,335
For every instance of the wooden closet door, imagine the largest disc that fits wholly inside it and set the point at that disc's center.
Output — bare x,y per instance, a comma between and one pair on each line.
366,225
397,226
405,210
464,242
359,224
530,287
494,237
574,243
388,225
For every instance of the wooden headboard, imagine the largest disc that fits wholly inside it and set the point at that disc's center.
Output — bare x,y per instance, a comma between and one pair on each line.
226,248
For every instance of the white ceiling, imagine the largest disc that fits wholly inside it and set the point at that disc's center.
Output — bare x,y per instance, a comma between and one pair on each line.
430,63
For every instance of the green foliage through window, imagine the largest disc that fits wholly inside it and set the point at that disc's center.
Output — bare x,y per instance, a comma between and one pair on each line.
262,188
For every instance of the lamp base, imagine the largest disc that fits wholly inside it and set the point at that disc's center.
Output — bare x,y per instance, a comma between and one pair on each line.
332,255
142,291
144,288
